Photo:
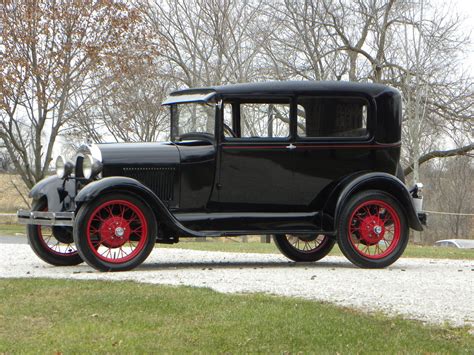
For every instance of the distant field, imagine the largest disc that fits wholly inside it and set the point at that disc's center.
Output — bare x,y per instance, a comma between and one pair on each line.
11,229
10,199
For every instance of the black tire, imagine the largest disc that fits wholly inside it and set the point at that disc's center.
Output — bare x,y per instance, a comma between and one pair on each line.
315,247
53,245
372,230
102,229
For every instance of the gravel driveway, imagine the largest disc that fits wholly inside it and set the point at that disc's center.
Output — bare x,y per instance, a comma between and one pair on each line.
426,289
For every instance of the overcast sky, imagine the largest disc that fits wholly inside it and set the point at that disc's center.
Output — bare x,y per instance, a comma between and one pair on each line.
466,8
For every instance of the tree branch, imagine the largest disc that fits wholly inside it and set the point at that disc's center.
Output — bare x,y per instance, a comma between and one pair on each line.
439,154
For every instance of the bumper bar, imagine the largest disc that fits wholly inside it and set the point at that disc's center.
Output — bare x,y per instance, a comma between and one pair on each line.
46,218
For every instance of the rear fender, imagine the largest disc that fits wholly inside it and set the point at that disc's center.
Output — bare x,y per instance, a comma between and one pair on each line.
371,181
132,186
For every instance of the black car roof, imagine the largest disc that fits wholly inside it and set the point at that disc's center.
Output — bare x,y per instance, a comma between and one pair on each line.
290,87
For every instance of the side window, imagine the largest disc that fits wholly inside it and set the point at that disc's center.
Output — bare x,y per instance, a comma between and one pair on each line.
331,117
264,120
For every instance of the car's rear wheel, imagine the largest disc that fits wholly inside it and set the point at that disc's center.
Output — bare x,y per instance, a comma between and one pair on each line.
307,248
116,232
373,230
52,244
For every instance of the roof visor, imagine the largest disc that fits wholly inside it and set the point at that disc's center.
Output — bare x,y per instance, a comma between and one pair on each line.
188,96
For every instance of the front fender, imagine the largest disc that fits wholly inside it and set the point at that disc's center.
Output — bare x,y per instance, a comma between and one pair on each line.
372,181
58,192
129,185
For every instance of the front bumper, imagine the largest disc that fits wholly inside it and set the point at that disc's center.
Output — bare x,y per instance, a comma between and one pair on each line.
45,218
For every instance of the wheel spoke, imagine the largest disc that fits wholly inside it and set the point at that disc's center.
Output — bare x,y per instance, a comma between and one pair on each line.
306,244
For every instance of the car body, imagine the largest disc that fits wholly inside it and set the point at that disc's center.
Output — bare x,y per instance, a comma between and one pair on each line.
455,243
304,161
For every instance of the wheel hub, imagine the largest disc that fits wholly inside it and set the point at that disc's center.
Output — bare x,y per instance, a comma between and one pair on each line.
372,230
115,232
63,234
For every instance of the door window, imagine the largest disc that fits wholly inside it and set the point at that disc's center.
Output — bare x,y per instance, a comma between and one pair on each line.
264,120
259,120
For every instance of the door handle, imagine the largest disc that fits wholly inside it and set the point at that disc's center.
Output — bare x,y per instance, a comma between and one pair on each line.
291,146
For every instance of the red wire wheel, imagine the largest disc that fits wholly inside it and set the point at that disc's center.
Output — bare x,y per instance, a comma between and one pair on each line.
52,244
306,248
118,232
373,231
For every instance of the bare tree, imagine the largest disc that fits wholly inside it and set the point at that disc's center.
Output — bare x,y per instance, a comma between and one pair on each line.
208,42
298,45
413,46
127,106
451,191
48,52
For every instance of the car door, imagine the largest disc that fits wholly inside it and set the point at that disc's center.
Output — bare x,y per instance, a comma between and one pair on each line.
332,140
255,167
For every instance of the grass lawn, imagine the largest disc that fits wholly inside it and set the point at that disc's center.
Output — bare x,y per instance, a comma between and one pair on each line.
10,229
55,316
412,251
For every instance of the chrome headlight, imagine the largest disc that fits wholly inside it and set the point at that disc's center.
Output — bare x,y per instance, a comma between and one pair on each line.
64,167
91,167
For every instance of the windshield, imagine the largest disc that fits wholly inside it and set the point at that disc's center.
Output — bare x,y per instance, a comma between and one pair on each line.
192,117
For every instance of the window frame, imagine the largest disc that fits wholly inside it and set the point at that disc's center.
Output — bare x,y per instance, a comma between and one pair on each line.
238,100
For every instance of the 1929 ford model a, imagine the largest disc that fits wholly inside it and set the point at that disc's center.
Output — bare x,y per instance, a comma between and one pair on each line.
311,163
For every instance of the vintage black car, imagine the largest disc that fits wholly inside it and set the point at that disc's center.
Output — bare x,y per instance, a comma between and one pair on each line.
310,163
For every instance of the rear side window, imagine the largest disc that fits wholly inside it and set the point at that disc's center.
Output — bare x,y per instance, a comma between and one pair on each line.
332,117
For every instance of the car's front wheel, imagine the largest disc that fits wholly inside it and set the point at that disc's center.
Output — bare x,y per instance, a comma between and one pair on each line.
115,232
304,247
52,244
373,230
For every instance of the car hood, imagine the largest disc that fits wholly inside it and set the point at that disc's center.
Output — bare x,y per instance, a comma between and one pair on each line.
138,154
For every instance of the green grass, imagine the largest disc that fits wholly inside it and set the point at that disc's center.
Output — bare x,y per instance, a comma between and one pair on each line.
420,251
412,251
9,229
57,316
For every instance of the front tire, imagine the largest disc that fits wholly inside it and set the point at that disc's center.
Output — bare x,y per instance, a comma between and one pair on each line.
54,245
373,230
304,248
115,232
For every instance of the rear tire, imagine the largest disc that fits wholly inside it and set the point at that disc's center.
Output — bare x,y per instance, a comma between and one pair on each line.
115,232
304,248
54,245
373,230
